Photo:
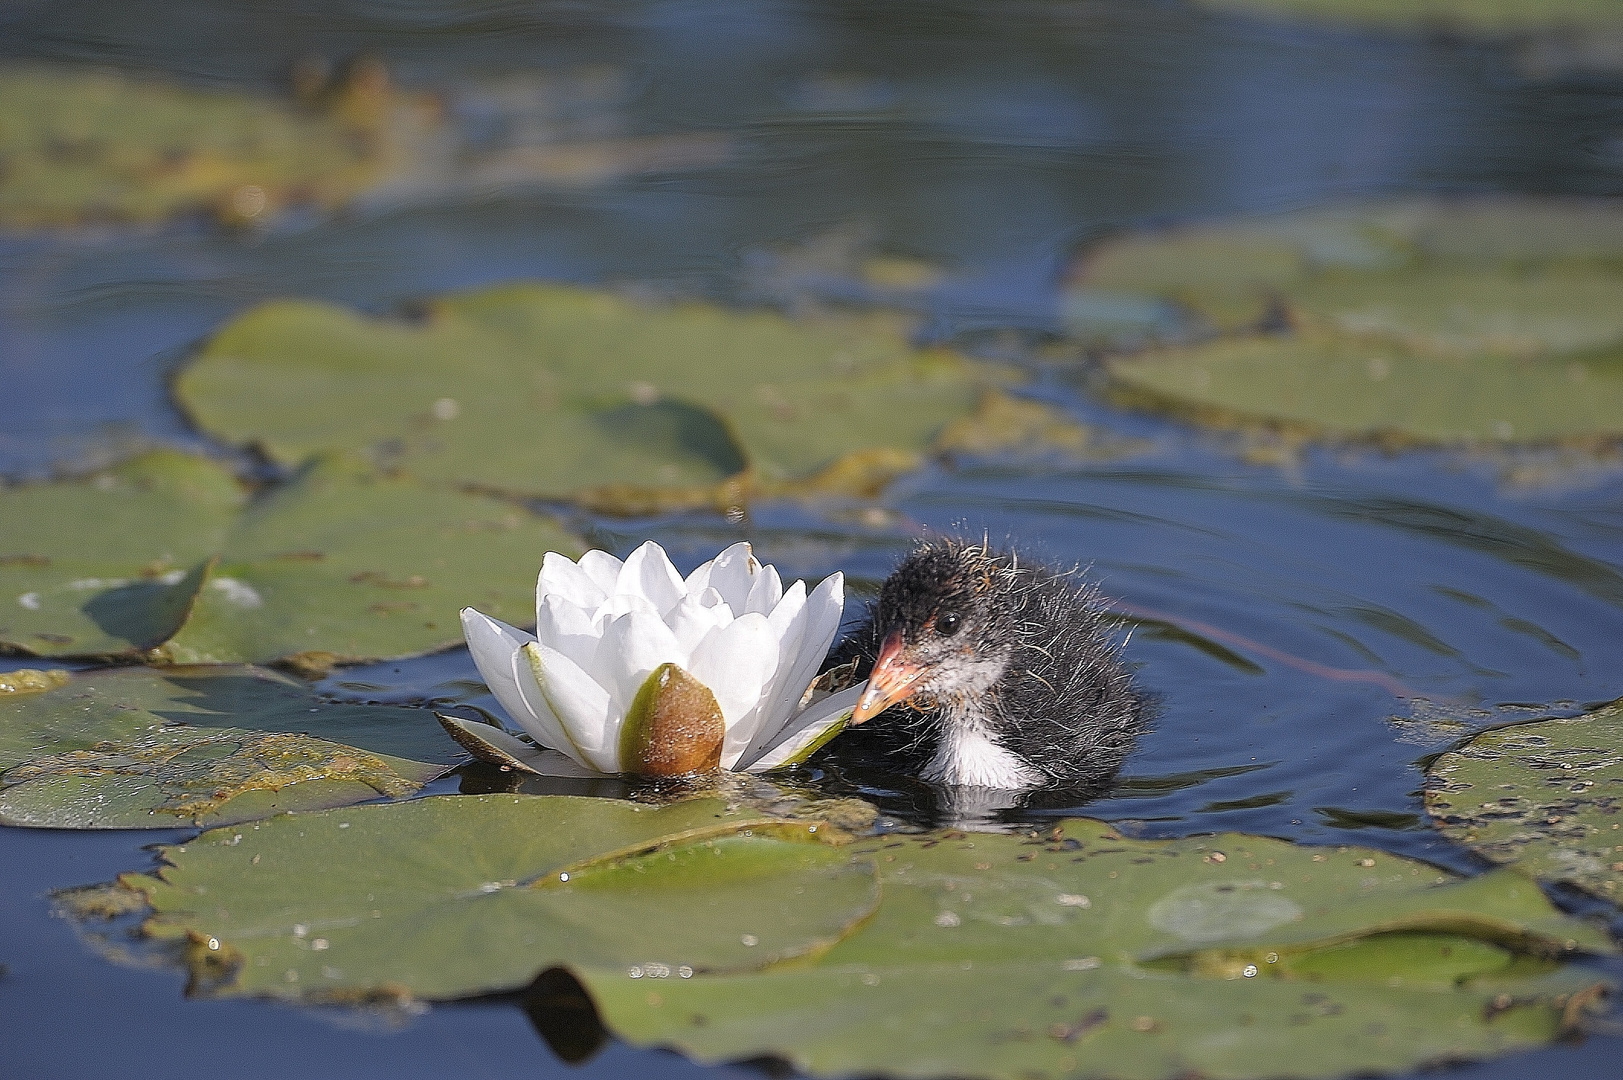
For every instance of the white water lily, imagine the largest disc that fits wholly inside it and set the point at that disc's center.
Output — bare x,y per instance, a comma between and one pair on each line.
634,669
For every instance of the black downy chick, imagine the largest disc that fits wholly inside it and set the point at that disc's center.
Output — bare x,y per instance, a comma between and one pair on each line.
1007,672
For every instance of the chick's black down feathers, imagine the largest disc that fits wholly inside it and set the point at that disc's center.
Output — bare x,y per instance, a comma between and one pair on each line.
1015,655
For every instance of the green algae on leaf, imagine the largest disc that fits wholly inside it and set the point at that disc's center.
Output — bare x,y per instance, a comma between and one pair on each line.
460,895
166,557
144,748
99,146
1546,797
997,956
562,392
110,566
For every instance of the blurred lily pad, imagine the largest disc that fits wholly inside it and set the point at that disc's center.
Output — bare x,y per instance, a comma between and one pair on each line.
93,145
111,566
1419,321
139,748
1481,16
562,392
338,565
1546,796
1333,386
459,895
998,956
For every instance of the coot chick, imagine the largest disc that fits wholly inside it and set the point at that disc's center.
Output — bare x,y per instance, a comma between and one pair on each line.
993,673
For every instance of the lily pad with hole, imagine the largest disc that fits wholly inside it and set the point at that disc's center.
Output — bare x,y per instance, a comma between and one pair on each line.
142,748
562,392
110,566
166,557
460,895
1084,952
1546,797
94,145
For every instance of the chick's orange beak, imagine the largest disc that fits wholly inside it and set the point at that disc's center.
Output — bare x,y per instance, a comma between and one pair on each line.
892,680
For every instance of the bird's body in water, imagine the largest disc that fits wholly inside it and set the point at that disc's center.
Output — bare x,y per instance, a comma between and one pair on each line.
992,673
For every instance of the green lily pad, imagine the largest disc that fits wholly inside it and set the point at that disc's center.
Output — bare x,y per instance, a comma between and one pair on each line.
1547,797
458,895
99,146
110,567
138,748
561,392
1480,16
1225,956
1333,386
340,564
1420,321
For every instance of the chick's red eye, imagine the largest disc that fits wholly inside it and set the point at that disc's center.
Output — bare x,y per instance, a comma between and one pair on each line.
947,623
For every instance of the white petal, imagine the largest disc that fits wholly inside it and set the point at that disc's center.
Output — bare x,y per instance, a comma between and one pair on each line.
698,581
493,644
580,706
817,624
806,729
571,630
765,591
602,568
648,572
559,575
692,622
737,664
788,623
633,646
731,573
621,604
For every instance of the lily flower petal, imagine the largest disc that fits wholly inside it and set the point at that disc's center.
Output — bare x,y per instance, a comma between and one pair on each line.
732,573
818,723
821,622
569,629
579,703
766,589
561,577
633,646
737,664
649,573
492,644
602,568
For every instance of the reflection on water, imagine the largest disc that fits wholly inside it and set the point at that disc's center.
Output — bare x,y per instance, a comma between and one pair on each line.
942,157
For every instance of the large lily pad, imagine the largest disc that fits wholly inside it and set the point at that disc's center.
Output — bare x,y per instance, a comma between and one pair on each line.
1227,956
1417,321
1547,797
339,564
83,145
452,896
138,748
562,392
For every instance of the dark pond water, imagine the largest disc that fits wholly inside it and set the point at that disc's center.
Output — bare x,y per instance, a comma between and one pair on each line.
990,139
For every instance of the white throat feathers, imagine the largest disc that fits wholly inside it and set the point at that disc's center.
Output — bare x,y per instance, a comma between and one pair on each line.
970,755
